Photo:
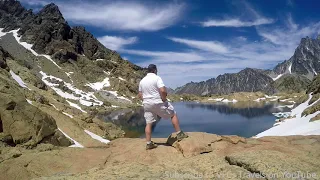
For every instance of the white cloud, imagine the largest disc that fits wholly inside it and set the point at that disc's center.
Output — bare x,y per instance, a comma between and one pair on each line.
168,56
211,46
250,17
236,22
241,38
291,23
115,42
117,15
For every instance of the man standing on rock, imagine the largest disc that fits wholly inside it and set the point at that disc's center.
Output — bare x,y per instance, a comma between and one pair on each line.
154,95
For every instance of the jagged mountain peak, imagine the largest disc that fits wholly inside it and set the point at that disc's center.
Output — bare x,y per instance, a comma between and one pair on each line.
51,10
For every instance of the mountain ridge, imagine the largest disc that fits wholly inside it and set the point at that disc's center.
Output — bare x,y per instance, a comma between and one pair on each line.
305,63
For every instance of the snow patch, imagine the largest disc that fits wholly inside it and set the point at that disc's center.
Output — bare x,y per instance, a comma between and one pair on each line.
99,59
282,114
76,106
295,126
2,33
67,114
29,101
18,79
217,99
86,98
68,74
99,85
284,100
290,66
122,79
259,99
289,106
114,106
115,93
299,109
314,72
279,76
270,97
99,138
227,101
29,47
76,144
54,107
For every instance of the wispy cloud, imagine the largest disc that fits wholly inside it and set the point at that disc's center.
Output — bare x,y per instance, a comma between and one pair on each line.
251,18
236,22
118,15
211,46
290,3
290,36
168,56
129,16
115,42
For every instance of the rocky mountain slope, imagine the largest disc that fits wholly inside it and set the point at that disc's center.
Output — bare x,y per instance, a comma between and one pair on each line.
305,61
47,34
54,79
289,76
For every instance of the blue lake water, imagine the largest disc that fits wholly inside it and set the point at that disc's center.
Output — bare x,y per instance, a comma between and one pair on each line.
244,120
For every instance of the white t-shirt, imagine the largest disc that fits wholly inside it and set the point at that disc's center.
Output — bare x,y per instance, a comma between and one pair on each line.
149,86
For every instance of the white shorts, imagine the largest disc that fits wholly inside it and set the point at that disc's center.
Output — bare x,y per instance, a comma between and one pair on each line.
163,110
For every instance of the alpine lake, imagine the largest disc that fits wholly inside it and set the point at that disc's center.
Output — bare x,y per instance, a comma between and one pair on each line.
242,119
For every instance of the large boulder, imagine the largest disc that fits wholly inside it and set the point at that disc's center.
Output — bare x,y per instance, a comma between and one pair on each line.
22,121
57,139
197,143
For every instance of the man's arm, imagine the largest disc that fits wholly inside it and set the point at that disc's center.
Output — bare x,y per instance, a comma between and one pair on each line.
140,92
140,95
163,93
162,90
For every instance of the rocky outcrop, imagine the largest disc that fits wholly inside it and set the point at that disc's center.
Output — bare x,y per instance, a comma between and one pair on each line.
247,80
291,83
22,121
202,155
314,86
305,60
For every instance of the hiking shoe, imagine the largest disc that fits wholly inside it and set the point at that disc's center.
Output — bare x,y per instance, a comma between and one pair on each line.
152,145
181,135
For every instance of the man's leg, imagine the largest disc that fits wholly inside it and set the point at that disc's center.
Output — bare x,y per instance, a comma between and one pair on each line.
175,122
150,118
148,131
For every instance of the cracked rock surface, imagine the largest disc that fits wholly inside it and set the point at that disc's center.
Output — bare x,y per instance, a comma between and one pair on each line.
201,156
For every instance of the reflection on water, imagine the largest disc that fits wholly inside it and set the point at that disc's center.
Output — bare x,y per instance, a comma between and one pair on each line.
248,112
225,119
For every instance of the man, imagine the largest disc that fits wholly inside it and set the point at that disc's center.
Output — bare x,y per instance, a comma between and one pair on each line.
154,95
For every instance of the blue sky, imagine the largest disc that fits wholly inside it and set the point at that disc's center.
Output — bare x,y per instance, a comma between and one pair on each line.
195,40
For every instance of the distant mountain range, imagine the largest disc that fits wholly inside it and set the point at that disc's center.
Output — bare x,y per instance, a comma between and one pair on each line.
292,75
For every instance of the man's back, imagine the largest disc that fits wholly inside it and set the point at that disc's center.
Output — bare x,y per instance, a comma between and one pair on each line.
149,86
